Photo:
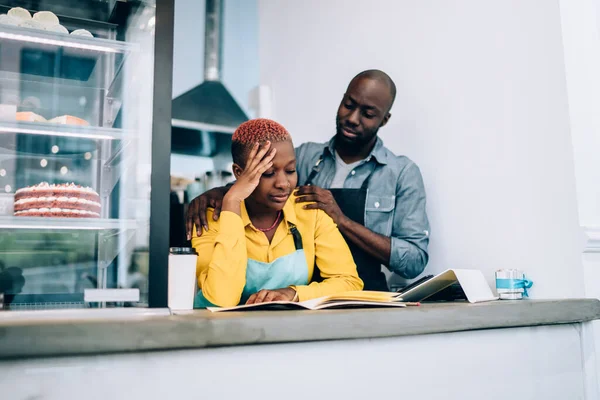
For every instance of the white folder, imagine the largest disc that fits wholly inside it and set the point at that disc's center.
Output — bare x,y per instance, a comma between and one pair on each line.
472,282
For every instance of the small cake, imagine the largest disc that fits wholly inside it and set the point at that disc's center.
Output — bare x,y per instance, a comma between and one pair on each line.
82,32
46,18
19,13
29,117
68,120
63,200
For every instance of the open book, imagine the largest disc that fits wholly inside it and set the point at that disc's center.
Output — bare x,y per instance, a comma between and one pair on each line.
354,299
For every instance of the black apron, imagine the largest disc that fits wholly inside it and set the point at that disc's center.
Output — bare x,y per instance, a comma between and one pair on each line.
352,202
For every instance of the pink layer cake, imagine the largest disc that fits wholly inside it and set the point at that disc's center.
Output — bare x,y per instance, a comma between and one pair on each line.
63,200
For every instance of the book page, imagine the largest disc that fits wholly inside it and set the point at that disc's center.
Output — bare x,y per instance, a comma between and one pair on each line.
341,300
274,305
364,295
357,304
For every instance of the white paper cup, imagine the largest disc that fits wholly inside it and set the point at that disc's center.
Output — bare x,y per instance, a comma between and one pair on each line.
182,278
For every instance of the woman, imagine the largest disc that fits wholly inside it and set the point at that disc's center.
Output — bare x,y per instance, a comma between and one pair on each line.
265,246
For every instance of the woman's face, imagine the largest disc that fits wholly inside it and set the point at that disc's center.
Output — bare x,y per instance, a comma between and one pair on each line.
277,182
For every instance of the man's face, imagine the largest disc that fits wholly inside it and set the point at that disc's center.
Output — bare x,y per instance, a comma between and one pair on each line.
363,110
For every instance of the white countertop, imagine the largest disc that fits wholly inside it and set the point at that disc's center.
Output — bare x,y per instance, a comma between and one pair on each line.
96,331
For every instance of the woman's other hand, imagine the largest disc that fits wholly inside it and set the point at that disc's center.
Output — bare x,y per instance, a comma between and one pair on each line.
266,296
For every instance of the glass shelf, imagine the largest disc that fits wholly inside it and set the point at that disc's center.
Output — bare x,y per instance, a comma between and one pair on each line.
59,40
73,131
79,59
92,10
44,82
97,224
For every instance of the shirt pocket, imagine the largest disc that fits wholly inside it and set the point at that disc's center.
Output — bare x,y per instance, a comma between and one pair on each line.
380,213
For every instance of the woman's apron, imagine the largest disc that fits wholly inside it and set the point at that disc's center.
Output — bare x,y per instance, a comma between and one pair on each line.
285,271
352,202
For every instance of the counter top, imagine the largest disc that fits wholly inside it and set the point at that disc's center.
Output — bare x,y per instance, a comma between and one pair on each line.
96,331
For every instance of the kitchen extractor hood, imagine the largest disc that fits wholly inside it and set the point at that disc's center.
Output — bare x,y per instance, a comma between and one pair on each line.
209,106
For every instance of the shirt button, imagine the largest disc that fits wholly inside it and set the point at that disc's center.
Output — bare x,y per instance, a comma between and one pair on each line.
353,172
376,204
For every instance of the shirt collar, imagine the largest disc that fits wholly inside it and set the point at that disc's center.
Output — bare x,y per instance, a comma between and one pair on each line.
378,152
289,212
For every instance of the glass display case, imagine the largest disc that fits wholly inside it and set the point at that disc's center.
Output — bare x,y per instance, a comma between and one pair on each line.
80,146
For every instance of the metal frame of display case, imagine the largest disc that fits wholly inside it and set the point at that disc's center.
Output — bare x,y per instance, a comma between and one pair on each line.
161,155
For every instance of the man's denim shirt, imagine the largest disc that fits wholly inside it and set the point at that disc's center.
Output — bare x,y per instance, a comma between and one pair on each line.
395,199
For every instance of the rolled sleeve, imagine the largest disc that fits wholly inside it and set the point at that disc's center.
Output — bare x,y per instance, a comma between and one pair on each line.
222,259
407,259
410,231
231,229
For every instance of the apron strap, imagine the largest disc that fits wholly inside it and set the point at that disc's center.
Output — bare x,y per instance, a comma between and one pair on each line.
315,171
297,237
365,184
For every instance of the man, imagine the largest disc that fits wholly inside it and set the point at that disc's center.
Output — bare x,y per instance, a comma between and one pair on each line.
377,199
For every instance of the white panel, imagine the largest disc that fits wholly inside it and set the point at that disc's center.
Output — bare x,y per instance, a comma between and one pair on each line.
581,42
110,295
529,363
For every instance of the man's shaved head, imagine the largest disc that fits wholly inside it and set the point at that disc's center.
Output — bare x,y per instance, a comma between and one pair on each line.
365,107
378,75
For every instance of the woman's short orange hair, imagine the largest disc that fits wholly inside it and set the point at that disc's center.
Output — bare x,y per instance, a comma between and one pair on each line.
255,130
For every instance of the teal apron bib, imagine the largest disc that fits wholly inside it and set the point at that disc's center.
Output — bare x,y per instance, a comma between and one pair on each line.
283,272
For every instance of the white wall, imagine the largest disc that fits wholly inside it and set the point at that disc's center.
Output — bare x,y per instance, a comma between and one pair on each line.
239,53
239,61
481,107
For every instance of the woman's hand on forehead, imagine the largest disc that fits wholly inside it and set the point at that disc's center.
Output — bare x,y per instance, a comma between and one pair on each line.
259,160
